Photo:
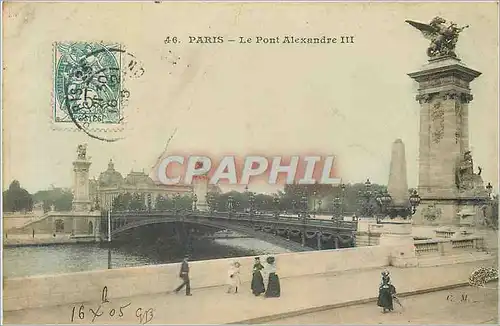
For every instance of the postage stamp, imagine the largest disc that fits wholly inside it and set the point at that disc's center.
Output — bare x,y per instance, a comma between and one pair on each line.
88,85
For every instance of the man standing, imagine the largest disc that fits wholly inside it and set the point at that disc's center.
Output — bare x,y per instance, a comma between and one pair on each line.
184,274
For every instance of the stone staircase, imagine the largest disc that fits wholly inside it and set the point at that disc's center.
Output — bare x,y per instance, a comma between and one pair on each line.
464,257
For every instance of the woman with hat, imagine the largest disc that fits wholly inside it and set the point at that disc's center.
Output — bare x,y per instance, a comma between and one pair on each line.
385,293
257,279
234,277
273,284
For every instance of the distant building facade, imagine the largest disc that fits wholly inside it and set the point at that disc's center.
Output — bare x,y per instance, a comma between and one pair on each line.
111,183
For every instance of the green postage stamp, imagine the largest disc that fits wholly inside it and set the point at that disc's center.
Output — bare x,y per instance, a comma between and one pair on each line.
88,88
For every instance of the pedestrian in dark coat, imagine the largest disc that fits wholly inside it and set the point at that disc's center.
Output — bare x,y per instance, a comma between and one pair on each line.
273,285
257,279
385,293
184,275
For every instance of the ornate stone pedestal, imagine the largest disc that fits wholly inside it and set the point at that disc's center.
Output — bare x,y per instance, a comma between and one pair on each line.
81,196
447,182
397,234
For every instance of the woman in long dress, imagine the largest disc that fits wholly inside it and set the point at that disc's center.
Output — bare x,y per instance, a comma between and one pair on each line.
385,293
233,278
257,279
273,284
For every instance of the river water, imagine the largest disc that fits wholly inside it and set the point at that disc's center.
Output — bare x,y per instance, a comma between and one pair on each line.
57,259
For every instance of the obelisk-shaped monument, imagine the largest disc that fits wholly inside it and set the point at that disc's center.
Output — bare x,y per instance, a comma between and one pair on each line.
398,183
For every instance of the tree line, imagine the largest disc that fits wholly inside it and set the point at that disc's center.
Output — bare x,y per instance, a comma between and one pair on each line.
18,199
318,197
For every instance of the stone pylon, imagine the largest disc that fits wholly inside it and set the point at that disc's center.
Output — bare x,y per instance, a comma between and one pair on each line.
398,184
81,189
447,183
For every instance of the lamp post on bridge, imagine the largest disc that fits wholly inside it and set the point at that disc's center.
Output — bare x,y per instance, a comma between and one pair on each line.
366,197
389,209
276,202
337,202
150,202
176,198
314,203
489,189
304,201
195,200
230,202
251,201
384,199
342,200
414,201
211,202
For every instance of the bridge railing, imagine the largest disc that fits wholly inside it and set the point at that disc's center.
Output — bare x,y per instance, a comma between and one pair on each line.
262,217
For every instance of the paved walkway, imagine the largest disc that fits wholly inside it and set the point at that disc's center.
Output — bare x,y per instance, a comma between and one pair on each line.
442,307
214,306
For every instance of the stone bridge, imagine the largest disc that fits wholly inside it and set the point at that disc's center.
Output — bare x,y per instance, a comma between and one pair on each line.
287,232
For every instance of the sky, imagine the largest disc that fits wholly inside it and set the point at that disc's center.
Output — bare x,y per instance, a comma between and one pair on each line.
348,100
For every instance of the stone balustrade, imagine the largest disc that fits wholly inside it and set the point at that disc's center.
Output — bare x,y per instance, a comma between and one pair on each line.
426,246
444,234
448,246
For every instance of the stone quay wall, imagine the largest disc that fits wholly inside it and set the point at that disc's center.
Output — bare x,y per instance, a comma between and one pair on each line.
52,290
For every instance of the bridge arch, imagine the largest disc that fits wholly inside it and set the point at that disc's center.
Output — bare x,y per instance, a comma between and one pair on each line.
278,241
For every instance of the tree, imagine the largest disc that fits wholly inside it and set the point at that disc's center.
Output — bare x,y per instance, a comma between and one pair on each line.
138,202
17,199
60,198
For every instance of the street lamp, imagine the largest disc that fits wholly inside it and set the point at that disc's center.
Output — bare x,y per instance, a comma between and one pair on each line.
177,196
304,202
210,201
294,206
366,196
150,202
314,203
384,199
342,198
489,188
414,201
336,207
230,204
276,202
251,200
195,200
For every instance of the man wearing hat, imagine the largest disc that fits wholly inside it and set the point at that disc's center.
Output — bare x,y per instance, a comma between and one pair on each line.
184,274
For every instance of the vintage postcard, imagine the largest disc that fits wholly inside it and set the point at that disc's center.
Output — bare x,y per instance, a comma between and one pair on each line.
252,163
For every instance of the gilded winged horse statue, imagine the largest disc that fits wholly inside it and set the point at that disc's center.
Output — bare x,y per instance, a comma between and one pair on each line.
443,38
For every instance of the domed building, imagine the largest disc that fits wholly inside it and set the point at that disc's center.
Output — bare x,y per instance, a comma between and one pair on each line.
111,183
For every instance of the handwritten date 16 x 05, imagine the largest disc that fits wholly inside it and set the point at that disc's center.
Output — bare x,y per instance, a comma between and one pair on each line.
107,309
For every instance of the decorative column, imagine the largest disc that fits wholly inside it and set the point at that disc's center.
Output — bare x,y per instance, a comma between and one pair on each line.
444,97
447,183
81,196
